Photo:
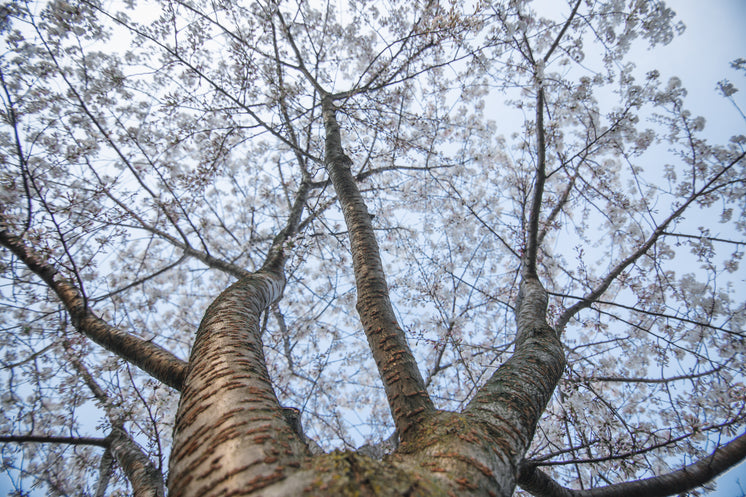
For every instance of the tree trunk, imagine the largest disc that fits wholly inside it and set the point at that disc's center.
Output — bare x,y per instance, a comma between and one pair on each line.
230,435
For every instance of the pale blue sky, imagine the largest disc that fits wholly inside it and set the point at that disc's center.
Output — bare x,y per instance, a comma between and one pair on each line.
714,36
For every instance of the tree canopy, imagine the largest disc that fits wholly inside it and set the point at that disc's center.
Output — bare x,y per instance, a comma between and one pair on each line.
396,217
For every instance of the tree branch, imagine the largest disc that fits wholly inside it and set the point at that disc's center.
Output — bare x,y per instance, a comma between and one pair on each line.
516,395
556,210
594,294
104,473
301,65
538,483
151,358
189,251
621,379
13,121
405,389
228,378
145,478
651,313
532,242
562,32
228,375
99,442
107,136
196,70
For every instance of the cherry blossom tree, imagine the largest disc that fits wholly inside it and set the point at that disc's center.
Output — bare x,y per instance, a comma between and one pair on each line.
420,248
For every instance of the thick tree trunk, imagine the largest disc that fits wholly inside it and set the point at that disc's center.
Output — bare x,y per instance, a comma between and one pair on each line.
230,435
476,453
231,438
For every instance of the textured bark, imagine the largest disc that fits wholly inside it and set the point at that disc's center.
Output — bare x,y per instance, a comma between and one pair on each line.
538,483
230,435
233,438
475,452
105,468
532,236
151,358
144,477
464,452
510,404
405,389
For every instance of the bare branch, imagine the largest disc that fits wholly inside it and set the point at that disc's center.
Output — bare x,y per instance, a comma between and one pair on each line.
145,478
622,379
99,442
146,355
532,242
562,32
538,483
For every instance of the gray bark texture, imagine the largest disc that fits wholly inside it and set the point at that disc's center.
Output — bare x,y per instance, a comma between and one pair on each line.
230,436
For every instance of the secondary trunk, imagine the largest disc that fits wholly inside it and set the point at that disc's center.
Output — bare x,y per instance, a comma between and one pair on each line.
230,435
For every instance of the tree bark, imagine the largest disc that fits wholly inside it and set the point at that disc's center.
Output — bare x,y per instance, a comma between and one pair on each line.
100,442
230,435
474,452
146,479
405,388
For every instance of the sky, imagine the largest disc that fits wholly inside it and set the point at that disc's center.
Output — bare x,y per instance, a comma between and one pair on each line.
714,36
